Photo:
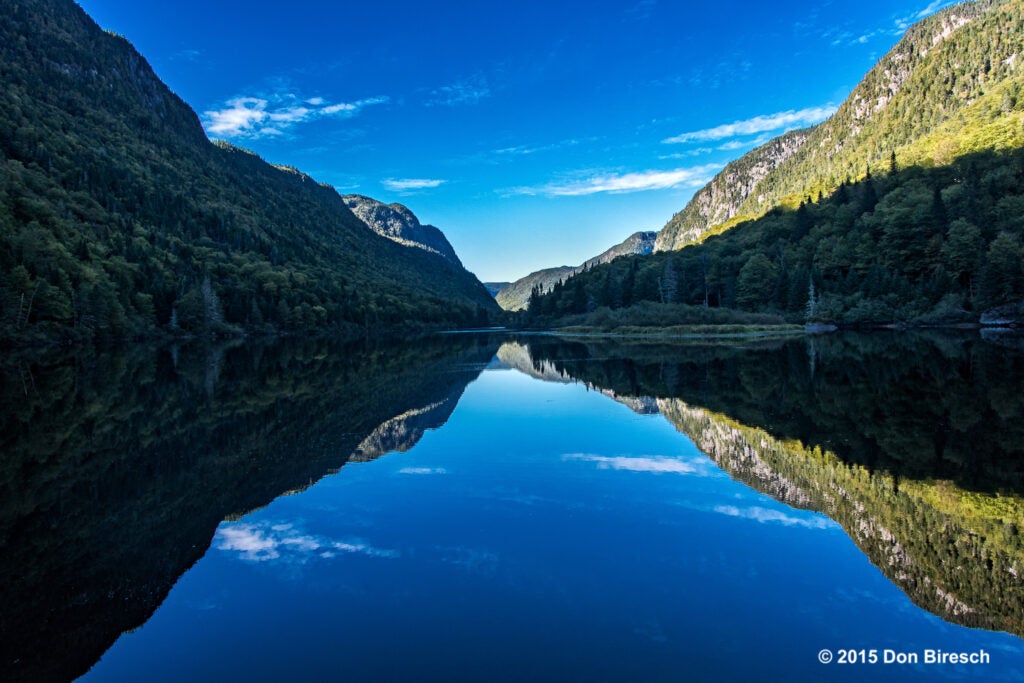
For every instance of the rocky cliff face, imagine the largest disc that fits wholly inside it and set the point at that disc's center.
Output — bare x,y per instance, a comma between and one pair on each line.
399,224
641,243
402,432
770,414
942,66
720,200
517,356
516,296
936,558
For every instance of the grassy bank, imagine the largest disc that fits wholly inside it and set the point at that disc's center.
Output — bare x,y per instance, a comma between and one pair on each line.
682,331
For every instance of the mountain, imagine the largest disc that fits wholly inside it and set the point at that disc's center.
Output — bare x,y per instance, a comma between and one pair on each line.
402,432
118,217
902,209
495,287
914,246
846,426
400,225
940,559
719,202
949,87
638,243
517,356
516,296
97,524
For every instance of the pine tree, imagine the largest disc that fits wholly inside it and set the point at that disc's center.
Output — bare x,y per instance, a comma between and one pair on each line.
628,284
811,310
668,285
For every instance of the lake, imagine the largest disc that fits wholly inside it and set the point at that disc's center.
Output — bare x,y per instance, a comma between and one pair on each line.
508,508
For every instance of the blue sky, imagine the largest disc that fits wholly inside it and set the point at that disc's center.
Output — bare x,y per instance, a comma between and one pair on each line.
533,133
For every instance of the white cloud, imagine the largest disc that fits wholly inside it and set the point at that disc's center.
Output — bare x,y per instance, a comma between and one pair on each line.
411,184
903,23
700,151
740,144
255,117
935,7
622,183
768,516
423,470
264,542
251,544
525,150
758,124
290,115
467,91
189,55
521,150
241,114
656,464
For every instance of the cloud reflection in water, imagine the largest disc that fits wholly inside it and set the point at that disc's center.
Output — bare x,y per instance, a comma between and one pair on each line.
656,464
264,542
766,516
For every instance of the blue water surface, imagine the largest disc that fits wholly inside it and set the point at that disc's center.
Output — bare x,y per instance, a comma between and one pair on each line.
545,533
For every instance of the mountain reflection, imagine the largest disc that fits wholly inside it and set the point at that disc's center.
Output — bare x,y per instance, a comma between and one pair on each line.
118,467
913,443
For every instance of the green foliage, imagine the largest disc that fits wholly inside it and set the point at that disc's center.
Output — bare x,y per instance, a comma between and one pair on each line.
116,212
921,436
918,246
714,207
952,86
120,462
650,314
516,296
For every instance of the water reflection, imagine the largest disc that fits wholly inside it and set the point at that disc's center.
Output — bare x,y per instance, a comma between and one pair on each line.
561,517
118,468
914,444
283,542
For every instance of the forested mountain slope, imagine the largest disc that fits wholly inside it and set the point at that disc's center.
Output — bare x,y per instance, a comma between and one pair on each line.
910,442
720,200
951,86
118,217
910,246
516,296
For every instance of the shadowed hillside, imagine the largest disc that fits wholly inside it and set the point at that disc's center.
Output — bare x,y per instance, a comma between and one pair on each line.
118,467
911,443
119,218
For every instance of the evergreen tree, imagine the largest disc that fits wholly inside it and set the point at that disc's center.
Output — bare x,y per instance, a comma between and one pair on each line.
669,284
629,283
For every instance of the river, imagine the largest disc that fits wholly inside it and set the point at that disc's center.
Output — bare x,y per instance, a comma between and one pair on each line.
501,507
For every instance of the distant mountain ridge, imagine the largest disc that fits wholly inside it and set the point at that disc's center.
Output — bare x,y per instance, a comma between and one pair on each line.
960,62
399,224
515,296
495,287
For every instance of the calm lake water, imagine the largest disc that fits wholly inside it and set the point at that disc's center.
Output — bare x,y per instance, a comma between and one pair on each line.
496,508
